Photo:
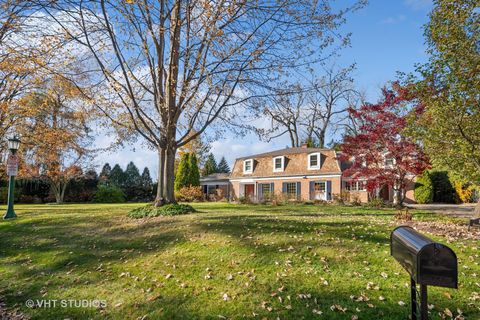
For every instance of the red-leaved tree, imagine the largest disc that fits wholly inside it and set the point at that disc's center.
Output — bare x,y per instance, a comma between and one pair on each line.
380,153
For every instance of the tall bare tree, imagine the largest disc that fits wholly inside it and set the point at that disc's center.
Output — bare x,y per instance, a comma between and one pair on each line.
307,112
175,68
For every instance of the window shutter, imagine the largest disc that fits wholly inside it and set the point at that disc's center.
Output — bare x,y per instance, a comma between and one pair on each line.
271,188
260,191
299,190
329,190
284,187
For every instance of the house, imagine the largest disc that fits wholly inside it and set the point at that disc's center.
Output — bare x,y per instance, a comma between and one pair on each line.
216,184
300,173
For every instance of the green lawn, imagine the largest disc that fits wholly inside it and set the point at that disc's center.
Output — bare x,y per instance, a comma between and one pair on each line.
225,261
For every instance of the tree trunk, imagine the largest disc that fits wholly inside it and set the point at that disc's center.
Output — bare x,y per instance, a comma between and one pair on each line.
159,200
397,197
56,187
169,175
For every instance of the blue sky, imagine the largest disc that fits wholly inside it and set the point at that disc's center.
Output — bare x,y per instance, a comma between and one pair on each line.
387,36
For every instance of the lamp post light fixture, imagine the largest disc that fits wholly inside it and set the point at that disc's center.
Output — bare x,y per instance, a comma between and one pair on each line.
12,169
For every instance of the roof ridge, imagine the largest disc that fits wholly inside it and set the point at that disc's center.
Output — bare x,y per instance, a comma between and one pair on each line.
274,152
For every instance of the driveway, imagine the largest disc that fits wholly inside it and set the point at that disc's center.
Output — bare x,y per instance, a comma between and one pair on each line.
456,210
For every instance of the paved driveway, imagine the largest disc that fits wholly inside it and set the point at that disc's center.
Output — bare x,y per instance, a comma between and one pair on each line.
457,210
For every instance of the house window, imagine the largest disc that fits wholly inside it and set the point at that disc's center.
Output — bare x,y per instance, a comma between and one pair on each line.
291,189
320,186
266,189
355,185
278,164
314,161
248,166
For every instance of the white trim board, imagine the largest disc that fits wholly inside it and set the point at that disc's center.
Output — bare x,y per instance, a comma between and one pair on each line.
250,180
210,183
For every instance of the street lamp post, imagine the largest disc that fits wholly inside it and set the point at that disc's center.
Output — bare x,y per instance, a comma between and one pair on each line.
12,168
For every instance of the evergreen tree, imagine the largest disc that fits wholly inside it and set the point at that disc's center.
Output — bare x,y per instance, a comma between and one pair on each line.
182,175
223,166
117,176
133,183
147,185
146,179
105,174
210,165
193,172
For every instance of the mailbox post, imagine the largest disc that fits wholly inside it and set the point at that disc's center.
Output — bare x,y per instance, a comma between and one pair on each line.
427,262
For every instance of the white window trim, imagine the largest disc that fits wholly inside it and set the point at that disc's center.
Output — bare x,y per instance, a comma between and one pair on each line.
245,166
283,164
317,167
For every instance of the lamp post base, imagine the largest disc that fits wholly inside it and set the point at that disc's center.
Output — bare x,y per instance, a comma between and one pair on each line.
9,215
10,212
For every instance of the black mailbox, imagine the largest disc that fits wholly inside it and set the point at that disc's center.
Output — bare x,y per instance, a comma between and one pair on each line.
429,263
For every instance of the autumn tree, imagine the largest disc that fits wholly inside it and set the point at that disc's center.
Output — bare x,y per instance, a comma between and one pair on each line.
172,69
15,65
381,153
199,146
58,135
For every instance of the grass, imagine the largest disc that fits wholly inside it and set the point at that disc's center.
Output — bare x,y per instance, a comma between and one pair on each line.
224,261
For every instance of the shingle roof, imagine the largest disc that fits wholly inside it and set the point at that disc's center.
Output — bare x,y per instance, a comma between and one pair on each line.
215,177
286,151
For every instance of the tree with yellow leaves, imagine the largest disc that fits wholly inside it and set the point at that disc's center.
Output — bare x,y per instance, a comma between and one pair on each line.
58,135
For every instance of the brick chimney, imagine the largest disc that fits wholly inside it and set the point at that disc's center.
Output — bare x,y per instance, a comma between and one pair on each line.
304,145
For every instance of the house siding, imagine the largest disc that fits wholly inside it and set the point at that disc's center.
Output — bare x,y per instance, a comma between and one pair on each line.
236,186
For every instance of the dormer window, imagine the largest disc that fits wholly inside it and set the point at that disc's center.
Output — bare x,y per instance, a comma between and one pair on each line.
278,164
314,161
248,166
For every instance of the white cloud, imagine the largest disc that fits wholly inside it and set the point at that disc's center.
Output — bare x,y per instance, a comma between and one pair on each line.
418,4
394,20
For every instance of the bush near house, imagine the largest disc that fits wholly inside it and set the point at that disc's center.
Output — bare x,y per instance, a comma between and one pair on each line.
189,194
465,191
424,189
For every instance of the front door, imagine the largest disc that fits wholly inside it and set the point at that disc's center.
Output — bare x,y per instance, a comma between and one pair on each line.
249,190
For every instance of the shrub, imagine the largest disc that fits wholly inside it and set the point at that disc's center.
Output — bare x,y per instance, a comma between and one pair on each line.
376,203
424,189
465,191
166,210
109,194
189,194
355,200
